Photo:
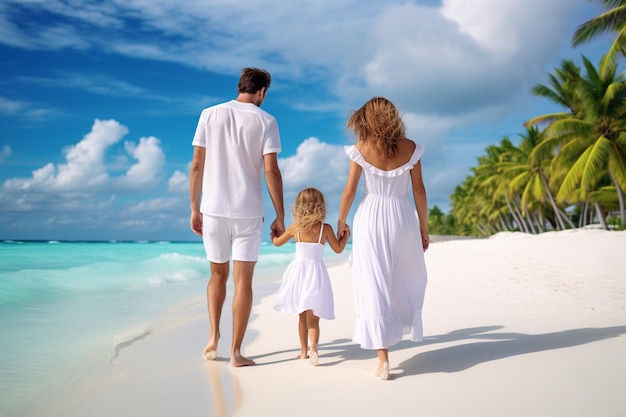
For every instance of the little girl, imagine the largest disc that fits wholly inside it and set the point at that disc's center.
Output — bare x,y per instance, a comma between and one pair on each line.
305,289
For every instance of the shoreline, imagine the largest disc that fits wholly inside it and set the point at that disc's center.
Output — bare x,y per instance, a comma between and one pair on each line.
514,325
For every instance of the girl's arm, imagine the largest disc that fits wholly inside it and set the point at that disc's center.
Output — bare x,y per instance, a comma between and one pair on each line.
419,196
347,198
284,238
338,245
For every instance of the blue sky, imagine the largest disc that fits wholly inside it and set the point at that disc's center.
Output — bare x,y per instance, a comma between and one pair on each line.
99,100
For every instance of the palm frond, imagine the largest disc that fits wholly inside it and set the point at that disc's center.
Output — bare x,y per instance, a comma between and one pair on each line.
572,180
618,46
546,119
596,163
617,167
610,21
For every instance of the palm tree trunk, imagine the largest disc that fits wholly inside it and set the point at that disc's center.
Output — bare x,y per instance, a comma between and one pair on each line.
482,229
531,226
600,215
521,224
524,225
620,197
583,214
558,214
502,223
538,220
541,220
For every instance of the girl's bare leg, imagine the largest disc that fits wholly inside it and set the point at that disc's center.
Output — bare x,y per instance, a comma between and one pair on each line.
383,364
302,334
313,324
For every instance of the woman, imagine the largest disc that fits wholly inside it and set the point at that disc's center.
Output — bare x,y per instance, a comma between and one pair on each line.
388,239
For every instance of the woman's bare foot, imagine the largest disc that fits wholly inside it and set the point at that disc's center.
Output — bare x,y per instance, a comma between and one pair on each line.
237,361
314,359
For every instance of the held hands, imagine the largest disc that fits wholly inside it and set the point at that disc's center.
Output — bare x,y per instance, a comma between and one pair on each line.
277,228
346,233
342,229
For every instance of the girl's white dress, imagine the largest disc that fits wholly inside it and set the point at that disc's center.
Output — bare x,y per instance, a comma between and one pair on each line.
306,283
388,268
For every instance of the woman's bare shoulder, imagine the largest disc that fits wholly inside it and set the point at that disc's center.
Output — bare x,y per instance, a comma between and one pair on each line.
408,143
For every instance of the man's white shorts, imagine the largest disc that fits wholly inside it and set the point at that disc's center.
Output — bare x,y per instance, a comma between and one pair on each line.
223,236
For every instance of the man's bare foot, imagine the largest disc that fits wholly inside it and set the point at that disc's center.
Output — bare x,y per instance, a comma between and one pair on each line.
239,361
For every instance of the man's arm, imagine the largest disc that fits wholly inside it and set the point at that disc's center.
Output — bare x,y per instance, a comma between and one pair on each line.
274,181
196,173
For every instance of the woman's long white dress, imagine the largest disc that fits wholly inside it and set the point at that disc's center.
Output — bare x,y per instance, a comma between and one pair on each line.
306,283
388,267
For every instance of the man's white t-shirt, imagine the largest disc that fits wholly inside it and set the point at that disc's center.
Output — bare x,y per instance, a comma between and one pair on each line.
236,136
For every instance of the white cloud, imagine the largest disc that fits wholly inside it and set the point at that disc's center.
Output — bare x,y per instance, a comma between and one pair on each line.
447,66
315,164
24,109
178,183
84,196
147,171
85,169
444,59
5,153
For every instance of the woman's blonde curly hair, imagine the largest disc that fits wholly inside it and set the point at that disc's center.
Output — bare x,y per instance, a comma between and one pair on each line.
378,124
309,210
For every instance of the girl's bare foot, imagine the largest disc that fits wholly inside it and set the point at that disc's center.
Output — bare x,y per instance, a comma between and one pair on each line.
383,371
314,359
210,355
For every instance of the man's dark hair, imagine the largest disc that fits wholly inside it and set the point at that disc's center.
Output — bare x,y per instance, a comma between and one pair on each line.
253,79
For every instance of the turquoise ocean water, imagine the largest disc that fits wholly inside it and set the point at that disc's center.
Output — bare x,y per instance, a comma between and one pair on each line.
67,308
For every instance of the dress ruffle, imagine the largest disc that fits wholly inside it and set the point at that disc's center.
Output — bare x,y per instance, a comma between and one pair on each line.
354,154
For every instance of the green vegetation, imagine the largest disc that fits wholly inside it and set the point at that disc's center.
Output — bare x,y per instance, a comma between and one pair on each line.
569,169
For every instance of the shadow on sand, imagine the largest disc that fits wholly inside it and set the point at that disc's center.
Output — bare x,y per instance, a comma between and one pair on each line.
493,346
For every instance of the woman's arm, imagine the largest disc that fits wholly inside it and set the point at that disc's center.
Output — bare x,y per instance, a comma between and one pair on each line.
347,198
421,204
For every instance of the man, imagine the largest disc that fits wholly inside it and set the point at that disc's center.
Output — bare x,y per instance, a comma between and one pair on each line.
234,143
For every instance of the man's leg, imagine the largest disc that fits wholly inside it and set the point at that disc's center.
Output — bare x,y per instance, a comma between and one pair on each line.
215,296
242,305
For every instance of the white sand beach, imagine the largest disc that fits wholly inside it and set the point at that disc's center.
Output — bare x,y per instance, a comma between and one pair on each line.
514,325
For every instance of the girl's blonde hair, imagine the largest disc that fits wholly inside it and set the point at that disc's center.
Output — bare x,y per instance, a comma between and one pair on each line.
378,124
309,210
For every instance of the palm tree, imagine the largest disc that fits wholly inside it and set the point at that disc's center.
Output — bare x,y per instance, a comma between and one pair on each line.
494,184
612,20
562,90
436,221
468,201
528,171
594,142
